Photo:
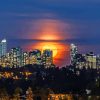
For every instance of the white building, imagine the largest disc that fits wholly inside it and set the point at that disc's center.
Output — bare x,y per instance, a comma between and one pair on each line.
73,52
3,47
91,61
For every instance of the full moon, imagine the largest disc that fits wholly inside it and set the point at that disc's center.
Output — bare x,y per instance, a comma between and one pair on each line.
51,47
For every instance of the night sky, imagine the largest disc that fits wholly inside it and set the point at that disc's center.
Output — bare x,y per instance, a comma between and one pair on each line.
24,22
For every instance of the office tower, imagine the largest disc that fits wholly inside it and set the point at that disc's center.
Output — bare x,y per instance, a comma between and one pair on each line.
91,60
98,61
73,53
25,58
8,59
47,58
16,57
4,61
0,49
80,61
3,47
35,57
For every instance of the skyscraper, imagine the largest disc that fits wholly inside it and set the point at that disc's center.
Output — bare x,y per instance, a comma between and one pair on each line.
47,58
35,57
3,47
91,60
73,53
25,58
16,57
98,61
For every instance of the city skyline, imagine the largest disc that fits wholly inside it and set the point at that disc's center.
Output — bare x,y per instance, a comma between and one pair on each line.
62,50
34,24
49,50
18,57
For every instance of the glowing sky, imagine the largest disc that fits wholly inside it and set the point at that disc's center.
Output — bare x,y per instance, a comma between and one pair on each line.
48,29
77,21
77,18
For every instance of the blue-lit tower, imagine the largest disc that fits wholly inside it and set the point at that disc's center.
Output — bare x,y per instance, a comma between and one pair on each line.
3,47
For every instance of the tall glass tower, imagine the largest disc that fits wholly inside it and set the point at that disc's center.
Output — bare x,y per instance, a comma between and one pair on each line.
35,57
47,58
73,52
3,47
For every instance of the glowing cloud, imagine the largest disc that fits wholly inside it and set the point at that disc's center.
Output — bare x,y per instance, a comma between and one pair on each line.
48,29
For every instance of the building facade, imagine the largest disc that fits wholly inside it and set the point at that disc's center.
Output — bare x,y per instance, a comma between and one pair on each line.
16,57
25,58
47,58
35,57
73,52
91,60
3,47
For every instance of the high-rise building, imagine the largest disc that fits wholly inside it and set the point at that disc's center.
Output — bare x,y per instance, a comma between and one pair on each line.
3,47
4,60
47,58
91,60
80,61
35,57
73,52
25,58
16,57
98,61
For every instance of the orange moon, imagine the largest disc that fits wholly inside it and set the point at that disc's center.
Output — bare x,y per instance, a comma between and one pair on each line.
51,47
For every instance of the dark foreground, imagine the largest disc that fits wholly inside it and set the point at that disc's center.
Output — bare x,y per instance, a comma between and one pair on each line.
33,82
